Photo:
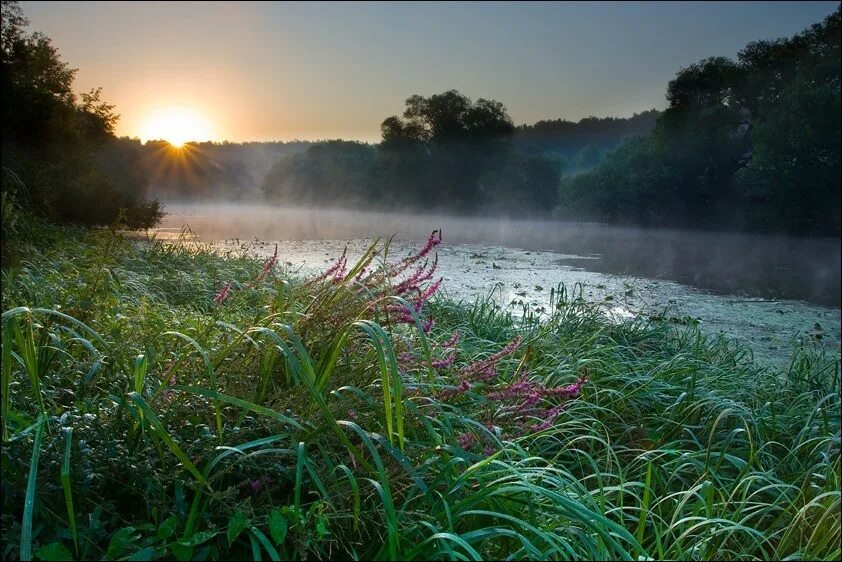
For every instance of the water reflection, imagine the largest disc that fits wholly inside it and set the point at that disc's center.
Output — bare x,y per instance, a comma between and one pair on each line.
751,265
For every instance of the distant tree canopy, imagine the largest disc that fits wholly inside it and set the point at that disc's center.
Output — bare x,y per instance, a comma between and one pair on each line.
752,143
62,148
449,117
446,153
226,171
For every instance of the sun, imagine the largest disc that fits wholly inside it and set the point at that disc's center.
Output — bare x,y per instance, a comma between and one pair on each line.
176,125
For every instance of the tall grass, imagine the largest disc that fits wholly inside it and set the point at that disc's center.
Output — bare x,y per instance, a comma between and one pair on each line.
328,417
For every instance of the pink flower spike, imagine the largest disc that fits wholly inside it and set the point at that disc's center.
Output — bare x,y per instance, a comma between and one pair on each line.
444,363
268,266
451,343
220,297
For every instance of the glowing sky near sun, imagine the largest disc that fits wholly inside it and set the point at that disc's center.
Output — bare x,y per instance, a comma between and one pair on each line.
266,71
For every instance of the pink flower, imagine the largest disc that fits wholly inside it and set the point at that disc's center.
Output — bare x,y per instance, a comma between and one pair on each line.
466,440
428,292
444,363
406,357
463,387
267,267
352,415
451,343
483,365
412,282
257,485
549,416
432,242
220,297
337,269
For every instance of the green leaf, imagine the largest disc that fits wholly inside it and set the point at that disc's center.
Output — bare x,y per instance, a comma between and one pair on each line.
119,541
181,552
273,554
144,554
29,499
165,437
54,551
168,527
236,525
198,538
278,527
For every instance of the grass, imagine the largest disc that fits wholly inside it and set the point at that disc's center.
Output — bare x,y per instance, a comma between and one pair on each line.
304,418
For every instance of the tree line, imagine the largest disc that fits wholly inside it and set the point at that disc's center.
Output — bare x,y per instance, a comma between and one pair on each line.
751,143
450,153
60,155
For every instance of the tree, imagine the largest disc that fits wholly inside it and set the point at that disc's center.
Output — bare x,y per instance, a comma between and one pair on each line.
57,145
449,116
752,143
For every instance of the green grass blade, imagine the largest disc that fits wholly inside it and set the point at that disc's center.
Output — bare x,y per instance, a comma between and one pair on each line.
165,437
29,499
66,485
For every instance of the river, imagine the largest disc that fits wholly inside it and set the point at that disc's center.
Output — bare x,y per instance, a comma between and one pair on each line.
772,293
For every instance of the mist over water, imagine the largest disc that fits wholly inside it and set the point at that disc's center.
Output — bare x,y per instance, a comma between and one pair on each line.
749,265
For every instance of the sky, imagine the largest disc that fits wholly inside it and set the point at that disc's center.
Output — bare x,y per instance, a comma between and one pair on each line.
282,71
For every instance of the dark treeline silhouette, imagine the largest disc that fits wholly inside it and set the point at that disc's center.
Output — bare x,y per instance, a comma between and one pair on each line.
60,155
220,170
447,153
582,145
750,144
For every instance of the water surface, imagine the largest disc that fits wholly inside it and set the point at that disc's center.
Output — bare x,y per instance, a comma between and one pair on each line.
772,293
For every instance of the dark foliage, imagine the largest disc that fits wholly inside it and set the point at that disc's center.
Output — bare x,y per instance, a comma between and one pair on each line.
446,152
60,147
751,144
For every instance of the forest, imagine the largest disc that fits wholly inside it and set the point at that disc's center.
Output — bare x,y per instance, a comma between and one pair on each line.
748,144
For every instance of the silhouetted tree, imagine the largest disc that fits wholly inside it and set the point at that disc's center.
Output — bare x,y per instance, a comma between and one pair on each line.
752,143
57,144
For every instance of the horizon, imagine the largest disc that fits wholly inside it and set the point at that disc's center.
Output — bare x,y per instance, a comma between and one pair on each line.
287,79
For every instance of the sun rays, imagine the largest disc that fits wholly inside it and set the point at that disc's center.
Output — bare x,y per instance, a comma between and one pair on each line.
177,126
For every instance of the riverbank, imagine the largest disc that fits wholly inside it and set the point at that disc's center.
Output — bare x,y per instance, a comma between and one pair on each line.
222,407
521,281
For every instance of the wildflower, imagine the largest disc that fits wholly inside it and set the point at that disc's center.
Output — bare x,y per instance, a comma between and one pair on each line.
428,292
268,266
257,485
549,417
352,415
431,243
466,440
569,391
488,374
337,269
220,297
406,357
483,365
451,343
463,387
411,283
444,363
